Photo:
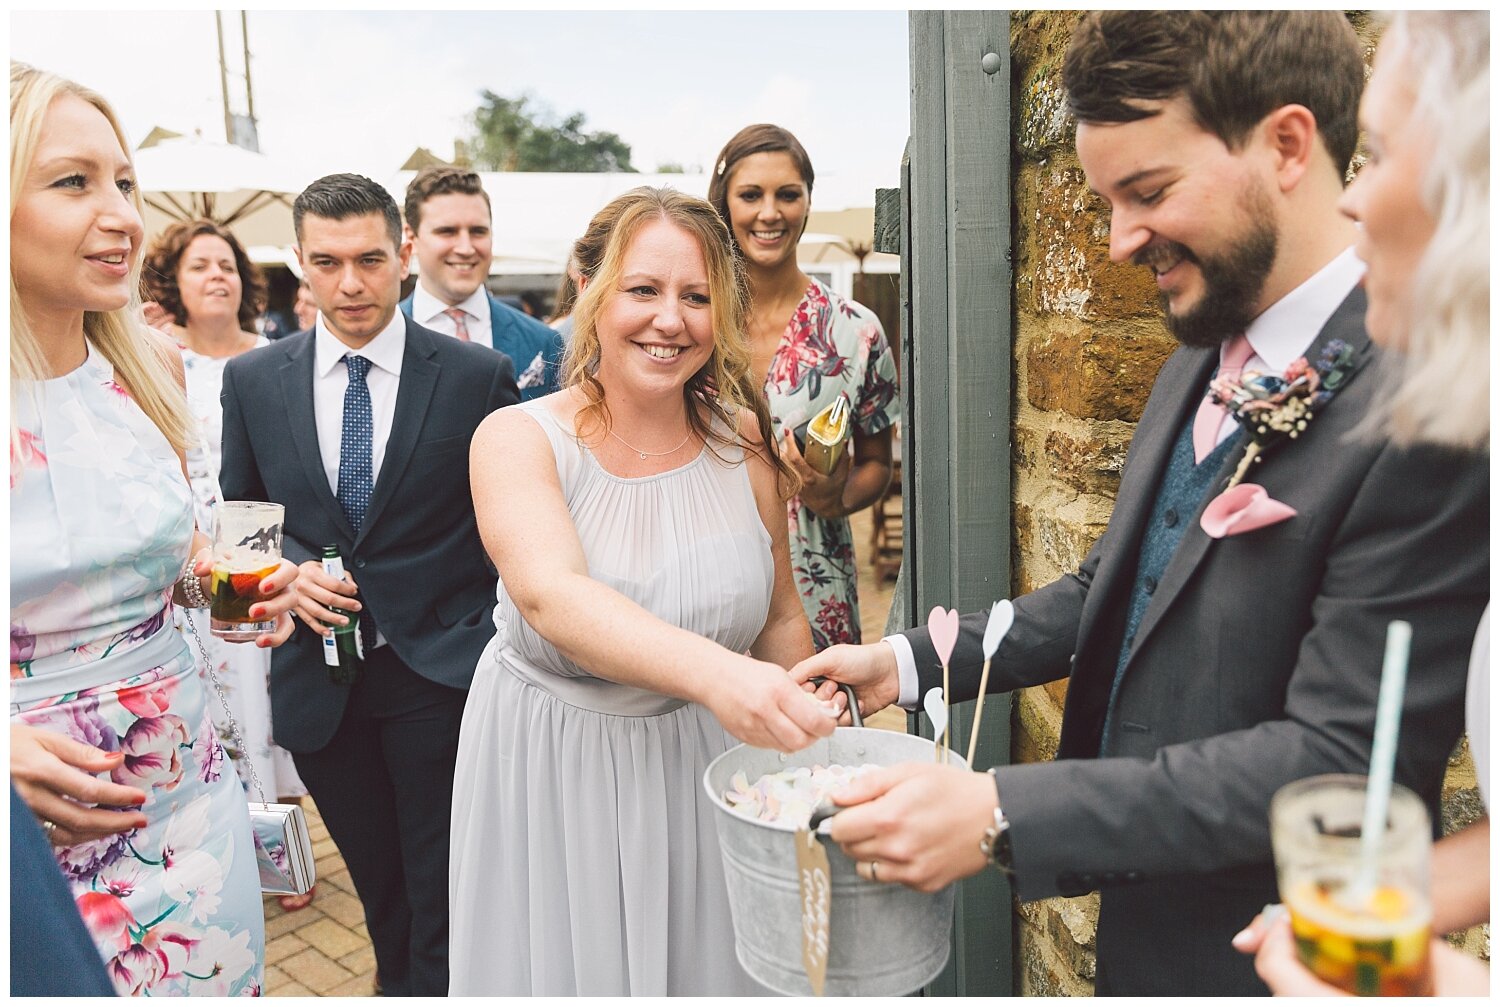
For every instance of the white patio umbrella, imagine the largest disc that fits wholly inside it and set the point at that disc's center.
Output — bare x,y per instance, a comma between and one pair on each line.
188,177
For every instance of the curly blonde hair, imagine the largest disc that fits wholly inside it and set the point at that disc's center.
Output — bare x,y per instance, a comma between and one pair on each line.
138,357
723,385
1437,386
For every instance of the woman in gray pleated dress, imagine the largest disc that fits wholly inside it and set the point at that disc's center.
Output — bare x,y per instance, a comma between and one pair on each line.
645,617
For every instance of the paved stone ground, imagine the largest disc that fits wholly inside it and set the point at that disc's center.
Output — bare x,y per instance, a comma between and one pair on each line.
324,950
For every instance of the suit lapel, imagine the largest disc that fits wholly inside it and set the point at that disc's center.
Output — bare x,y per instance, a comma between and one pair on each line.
498,322
1180,392
419,373
297,401
1346,323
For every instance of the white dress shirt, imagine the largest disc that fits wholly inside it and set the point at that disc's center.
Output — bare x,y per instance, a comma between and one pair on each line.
331,380
1279,335
431,313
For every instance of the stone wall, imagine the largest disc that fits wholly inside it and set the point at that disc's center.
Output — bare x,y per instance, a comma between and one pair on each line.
1088,343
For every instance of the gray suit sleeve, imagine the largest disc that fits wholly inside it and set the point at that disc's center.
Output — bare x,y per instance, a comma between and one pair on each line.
1037,649
1412,546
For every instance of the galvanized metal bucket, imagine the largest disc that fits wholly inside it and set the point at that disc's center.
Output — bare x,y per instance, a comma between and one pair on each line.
884,939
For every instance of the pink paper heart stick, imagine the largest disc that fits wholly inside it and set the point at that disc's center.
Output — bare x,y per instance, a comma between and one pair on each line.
942,628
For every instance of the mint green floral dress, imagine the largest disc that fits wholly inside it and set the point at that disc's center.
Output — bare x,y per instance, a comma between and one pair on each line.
831,345
100,527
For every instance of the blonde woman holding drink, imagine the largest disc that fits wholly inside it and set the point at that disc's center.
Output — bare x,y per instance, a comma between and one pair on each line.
101,534
1423,203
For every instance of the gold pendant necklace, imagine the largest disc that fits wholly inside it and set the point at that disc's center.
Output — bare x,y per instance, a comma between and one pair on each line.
651,454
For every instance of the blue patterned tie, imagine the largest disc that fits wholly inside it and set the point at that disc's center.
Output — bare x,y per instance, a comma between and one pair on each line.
355,480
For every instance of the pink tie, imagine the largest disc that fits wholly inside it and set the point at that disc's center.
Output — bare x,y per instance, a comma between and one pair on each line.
460,322
1210,414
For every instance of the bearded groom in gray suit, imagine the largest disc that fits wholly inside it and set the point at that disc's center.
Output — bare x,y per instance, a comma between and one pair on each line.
1204,672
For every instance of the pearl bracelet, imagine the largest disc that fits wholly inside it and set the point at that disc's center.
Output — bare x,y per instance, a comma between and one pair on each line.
192,588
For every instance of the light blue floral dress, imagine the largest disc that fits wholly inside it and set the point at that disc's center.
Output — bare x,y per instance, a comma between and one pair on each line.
100,526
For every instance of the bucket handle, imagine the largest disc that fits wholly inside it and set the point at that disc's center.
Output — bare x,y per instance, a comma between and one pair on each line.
848,691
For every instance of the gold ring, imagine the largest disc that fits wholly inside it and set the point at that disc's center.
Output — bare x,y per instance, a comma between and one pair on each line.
874,870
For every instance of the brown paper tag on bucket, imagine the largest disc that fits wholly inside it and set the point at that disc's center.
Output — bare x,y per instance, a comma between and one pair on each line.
816,891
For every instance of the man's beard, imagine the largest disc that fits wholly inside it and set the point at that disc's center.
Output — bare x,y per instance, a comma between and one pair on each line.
1232,282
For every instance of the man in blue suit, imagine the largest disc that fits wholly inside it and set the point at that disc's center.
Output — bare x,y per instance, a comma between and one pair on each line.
448,224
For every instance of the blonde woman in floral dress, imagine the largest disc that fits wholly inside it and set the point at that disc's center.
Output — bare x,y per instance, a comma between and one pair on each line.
200,278
101,533
809,345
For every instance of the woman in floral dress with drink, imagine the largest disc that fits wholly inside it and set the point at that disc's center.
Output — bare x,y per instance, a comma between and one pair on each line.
101,533
809,345
200,278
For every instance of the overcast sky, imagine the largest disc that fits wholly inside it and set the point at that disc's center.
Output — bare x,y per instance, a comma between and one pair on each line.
360,90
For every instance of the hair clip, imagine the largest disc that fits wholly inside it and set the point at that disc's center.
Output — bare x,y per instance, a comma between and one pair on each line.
722,165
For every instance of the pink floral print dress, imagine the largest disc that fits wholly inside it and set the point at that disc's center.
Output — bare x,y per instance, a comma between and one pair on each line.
100,528
831,345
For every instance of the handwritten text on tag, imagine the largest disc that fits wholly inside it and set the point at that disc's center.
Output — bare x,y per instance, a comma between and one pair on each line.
816,891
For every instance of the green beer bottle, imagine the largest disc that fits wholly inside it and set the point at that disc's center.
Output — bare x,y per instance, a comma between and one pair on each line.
343,652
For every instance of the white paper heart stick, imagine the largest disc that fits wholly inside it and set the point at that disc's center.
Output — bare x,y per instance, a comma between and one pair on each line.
1002,614
942,628
937,710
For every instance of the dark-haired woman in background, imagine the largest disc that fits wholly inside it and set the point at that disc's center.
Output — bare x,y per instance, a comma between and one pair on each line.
808,345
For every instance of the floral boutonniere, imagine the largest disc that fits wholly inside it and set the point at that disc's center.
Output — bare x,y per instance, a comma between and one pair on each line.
1271,408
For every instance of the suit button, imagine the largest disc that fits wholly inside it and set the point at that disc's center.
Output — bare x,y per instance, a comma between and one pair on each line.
1150,584
1134,877
360,563
1108,878
1170,517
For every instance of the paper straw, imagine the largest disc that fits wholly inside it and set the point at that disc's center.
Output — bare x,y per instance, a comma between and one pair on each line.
1383,755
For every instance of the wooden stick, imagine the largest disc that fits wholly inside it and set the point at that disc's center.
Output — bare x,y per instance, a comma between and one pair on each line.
984,678
947,709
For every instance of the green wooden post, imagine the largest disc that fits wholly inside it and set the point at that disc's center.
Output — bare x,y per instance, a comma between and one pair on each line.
956,392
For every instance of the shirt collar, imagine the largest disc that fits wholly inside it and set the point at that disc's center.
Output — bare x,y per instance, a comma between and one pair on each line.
384,351
1286,329
425,307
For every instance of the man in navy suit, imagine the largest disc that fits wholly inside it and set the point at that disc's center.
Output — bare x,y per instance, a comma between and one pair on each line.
448,224
361,429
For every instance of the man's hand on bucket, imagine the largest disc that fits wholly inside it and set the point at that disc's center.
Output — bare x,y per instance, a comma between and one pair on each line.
919,823
871,669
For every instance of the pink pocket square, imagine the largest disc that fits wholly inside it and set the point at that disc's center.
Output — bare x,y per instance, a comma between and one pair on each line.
1241,509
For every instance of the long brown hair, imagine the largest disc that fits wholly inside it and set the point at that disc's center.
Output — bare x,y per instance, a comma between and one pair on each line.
724,382
761,138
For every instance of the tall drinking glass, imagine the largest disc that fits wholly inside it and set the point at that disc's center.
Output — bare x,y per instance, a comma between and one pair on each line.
246,550
1370,941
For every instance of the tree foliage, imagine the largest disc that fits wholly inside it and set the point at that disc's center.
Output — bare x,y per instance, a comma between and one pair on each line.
518,134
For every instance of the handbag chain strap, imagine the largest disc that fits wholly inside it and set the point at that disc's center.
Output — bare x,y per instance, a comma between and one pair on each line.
234,727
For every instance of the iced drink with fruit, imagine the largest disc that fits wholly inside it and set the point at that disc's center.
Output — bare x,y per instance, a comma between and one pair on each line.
1362,928
246,550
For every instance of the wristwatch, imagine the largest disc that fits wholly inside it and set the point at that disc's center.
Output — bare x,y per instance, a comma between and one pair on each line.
996,842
